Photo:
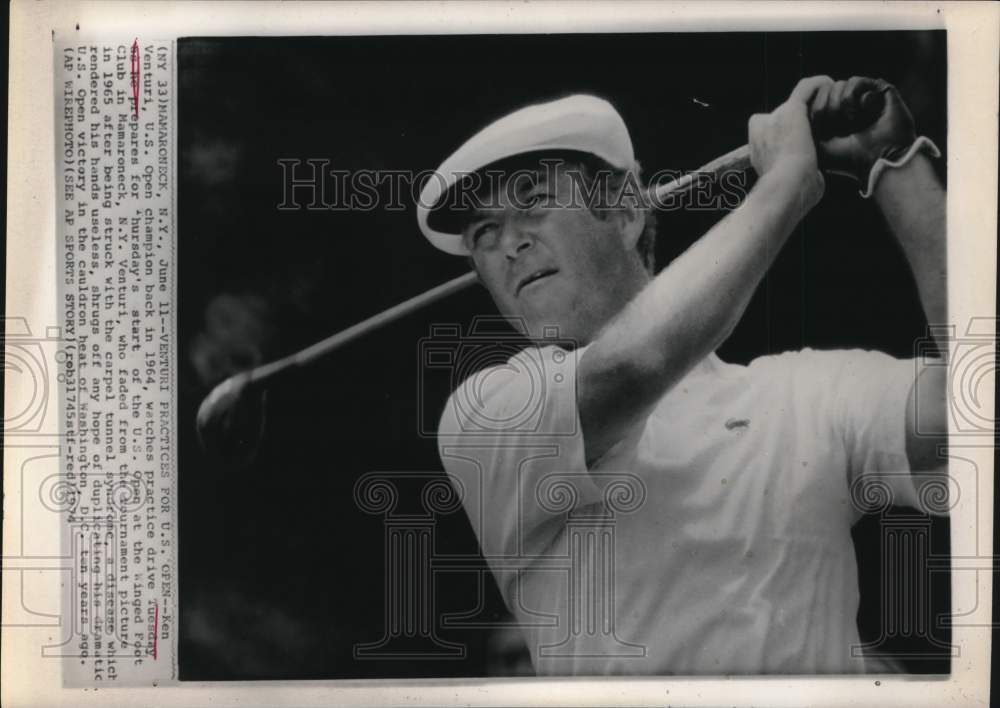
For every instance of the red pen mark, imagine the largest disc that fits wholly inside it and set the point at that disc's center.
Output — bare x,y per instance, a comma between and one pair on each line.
156,625
135,76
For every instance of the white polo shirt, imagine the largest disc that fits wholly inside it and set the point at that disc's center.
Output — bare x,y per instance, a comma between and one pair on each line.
715,540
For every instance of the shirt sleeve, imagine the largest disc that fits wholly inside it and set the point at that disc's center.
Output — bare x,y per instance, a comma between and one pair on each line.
511,444
868,392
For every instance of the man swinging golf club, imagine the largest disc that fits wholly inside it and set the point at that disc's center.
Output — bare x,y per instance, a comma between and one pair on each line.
739,558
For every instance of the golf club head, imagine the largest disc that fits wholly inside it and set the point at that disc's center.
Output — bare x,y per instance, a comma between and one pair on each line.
231,421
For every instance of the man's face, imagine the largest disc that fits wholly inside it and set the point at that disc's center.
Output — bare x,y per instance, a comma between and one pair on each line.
553,265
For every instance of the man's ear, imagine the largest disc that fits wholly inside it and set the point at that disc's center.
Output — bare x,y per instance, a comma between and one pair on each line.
633,221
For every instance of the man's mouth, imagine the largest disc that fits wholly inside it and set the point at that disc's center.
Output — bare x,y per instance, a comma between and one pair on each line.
534,276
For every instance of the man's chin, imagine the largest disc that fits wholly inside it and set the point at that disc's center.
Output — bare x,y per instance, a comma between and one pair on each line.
545,326
551,331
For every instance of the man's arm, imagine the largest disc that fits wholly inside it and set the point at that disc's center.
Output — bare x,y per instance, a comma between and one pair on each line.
690,308
913,202
869,121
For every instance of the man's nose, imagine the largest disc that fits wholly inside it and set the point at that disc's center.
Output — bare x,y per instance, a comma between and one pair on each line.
516,238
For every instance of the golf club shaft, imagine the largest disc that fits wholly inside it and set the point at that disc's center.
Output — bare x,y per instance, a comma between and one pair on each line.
335,341
737,160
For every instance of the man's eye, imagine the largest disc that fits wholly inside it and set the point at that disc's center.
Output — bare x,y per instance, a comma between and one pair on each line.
482,230
539,199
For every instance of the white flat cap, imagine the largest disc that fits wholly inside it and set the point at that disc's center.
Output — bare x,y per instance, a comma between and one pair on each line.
580,123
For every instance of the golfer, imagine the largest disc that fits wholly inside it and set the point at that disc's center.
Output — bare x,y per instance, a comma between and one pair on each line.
739,558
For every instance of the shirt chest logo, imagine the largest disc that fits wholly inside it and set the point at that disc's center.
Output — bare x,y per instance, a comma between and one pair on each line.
738,424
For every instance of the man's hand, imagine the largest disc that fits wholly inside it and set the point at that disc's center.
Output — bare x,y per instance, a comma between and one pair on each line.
858,121
781,142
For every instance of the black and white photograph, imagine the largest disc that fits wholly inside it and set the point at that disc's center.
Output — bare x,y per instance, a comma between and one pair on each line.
563,355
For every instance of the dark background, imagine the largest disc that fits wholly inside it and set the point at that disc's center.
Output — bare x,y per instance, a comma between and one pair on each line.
280,572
